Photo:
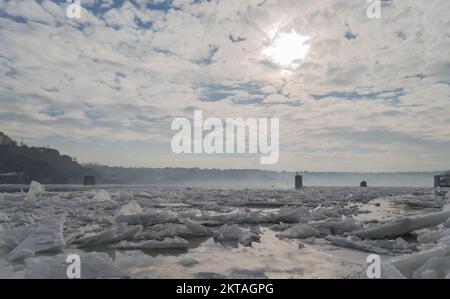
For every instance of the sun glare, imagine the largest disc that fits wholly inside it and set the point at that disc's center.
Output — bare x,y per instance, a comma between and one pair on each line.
287,49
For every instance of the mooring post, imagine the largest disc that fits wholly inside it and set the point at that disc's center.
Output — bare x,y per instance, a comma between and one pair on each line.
298,181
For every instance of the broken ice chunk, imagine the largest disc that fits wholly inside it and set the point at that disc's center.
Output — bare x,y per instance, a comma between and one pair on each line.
447,223
35,189
299,231
403,226
445,239
31,197
310,240
429,274
112,235
398,245
247,238
102,196
285,214
10,238
188,262
338,226
424,201
161,231
288,214
439,265
235,233
168,243
187,230
3,217
20,254
123,196
388,271
239,217
256,229
93,265
431,237
127,232
279,227
407,264
356,243
149,218
99,239
321,213
131,208
47,237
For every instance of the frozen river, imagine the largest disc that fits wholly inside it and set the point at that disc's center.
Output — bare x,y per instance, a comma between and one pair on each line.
140,232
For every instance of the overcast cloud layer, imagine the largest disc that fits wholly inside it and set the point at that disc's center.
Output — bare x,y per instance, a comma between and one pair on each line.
370,95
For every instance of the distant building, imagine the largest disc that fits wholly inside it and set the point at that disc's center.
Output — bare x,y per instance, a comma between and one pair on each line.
298,181
442,180
89,181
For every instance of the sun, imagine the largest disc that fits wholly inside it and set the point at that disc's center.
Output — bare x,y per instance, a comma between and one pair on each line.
287,49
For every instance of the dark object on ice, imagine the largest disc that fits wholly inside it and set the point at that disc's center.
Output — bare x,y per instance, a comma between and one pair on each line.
363,184
298,181
89,181
442,181
14,178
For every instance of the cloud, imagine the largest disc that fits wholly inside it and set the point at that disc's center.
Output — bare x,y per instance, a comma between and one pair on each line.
126,68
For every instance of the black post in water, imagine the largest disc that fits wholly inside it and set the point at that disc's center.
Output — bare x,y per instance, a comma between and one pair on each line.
89,181
298,181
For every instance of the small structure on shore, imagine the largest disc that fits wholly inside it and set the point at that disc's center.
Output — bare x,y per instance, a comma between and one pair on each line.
89,181
442,180
298,181
363,184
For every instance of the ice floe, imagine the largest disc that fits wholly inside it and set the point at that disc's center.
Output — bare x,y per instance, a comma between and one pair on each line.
186,229
101,196
167,243
148,218
46,237
102,238
299,231
3,217
35,189
385,247
403,226
131,208
235,233
33,229
337,226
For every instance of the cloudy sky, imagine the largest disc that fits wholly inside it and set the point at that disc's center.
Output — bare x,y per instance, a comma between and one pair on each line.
352,93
